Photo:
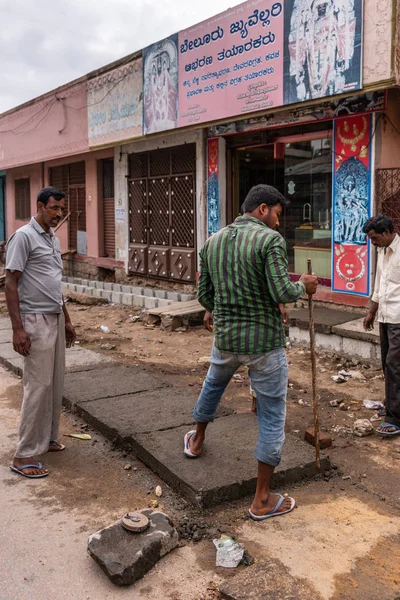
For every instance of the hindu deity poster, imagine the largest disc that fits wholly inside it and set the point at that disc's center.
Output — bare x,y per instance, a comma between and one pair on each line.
160,86
213,212
351,204
323,40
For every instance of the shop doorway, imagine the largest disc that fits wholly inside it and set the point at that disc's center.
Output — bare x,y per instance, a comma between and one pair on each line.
302,172
162,202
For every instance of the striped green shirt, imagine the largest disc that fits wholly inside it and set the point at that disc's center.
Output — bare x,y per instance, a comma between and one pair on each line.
243,278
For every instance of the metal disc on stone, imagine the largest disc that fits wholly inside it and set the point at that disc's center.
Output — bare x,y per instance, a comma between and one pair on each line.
135,521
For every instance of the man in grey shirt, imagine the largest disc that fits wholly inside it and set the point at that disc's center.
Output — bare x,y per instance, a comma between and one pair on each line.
41,329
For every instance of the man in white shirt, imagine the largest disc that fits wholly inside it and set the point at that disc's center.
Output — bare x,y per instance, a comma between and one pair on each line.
385,301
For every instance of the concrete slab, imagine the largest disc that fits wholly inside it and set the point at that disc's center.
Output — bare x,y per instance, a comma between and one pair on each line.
157,410
5,335
227,469
325,318
80,359
355,330
107,382
14,364
273,582
7,351
5,323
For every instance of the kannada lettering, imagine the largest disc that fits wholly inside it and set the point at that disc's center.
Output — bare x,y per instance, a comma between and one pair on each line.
114,114
263,17
247,47
214,36
199,63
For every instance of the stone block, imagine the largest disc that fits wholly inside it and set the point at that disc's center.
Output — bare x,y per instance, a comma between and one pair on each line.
97,293
160,294
328,341
125,556
149,292
106,294
163,302
138,300
150,302
127,299
117,287
187,297
99,285
76,280
359,348
127,289
173,296
137,291
85,282
80,289
108,286
116,297
325,441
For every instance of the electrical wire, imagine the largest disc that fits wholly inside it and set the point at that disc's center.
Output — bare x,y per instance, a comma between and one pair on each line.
50,106
54,97
28,120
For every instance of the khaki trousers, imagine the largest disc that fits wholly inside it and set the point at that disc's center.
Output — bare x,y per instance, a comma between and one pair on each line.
43,382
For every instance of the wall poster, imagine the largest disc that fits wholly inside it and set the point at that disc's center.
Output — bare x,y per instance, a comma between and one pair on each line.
263,54
115,105
213,211
323,41
160,86
351,204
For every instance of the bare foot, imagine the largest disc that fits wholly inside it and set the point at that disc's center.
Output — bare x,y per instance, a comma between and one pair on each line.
261,509
19,462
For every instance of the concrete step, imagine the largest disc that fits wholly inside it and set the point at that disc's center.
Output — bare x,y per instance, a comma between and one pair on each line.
149,298
336,331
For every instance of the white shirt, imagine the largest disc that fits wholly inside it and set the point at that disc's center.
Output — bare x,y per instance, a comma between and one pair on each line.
387,283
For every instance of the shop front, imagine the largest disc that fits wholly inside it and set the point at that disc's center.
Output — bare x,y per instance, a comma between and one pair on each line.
300,167
321,160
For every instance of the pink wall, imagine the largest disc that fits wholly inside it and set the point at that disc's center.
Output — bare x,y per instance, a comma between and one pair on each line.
52,126
94,212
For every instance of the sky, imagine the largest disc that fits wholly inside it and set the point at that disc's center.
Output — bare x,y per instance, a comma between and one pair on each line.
45,43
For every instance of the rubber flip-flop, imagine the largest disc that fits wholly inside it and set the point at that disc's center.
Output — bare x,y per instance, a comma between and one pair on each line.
274,512
186,447
55,447
381,430
135,521
19,470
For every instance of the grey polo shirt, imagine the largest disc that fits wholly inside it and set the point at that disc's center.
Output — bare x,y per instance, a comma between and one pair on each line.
37,255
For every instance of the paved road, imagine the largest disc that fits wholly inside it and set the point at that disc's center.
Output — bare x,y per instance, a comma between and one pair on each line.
45,523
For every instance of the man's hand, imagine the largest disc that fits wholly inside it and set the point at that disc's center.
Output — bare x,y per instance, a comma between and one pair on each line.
208,321
21,342
310,282
284,314
70,335
369,321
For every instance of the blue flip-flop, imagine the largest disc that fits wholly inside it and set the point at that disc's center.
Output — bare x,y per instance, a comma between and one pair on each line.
19,470
381,430
186,447
56,447
274,512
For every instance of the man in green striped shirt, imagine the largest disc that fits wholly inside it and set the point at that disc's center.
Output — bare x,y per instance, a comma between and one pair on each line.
243,280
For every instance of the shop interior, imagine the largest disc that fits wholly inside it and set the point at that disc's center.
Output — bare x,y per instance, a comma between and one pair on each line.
301,169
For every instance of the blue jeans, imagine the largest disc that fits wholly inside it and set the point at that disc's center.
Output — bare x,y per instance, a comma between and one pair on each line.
269,378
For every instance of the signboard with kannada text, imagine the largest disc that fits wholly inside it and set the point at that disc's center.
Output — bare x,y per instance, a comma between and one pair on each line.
265,53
